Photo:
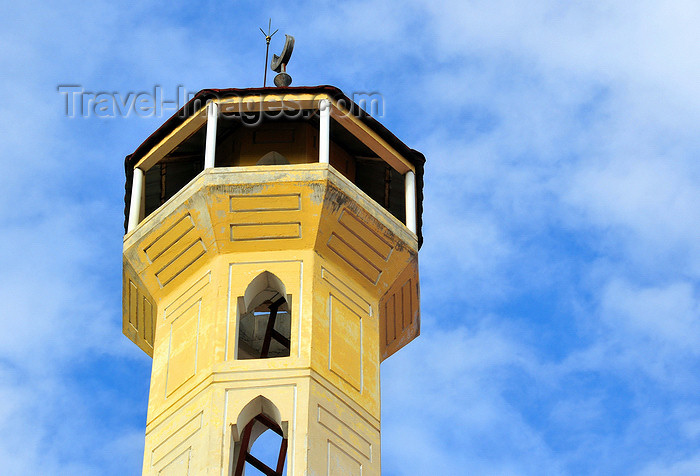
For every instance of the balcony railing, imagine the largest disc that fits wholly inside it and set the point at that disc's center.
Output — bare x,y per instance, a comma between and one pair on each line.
137,206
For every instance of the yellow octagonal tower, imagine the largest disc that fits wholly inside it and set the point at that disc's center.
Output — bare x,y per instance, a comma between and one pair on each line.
270,265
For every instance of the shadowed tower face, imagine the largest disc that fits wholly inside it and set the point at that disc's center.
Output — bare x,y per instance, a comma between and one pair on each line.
270,265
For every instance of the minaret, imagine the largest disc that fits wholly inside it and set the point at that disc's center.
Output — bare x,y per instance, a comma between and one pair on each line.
270,266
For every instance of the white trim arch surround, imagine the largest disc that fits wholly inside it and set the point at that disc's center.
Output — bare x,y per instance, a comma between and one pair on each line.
258,405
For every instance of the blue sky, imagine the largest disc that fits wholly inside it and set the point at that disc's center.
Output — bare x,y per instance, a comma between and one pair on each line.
561,264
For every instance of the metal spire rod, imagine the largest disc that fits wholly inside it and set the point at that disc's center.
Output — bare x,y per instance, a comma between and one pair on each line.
268,37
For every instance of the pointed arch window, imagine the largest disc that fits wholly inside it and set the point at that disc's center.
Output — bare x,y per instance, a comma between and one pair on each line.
252,431
259,440
264,325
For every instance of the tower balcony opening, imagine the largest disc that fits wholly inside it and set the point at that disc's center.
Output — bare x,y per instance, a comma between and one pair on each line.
225,134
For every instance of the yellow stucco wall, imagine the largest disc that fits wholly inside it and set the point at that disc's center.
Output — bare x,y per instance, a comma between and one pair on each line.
350,271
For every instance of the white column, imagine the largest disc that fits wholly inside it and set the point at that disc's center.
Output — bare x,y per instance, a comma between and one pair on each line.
210,148
324,131
137,185
411,217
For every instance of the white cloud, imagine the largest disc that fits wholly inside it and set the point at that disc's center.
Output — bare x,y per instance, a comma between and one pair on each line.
444,413
562,143
684,467
649,204
60,320
669,316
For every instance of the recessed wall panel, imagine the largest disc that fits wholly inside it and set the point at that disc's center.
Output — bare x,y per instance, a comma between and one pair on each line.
345,356
265,231
341,463
265,203
182,355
